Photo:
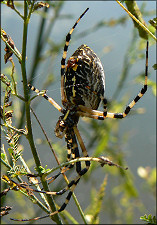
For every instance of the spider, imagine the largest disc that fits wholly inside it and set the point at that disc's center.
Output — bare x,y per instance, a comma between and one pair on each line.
82,90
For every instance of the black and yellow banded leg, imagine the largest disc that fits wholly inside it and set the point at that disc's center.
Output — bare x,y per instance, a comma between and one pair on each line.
68,38
72,185
95,114
46,97
104,101
72,153
81,172
83,148
137,98
70,156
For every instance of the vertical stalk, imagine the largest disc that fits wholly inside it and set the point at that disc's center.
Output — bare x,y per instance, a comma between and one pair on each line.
27,106
28,117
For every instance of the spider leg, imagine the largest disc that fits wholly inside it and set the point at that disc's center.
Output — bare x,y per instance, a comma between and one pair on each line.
95,114
81,172
137,98
71,138
68,38
52,102
70,155
83,148
63,97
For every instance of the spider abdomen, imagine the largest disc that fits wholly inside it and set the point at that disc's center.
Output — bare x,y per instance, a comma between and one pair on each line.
84,80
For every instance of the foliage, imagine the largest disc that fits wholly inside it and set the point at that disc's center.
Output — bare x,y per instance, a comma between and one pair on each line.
149,219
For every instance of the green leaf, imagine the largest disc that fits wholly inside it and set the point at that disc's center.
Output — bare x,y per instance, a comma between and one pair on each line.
149,219
10,150
155,66
153,22
3,156
42,170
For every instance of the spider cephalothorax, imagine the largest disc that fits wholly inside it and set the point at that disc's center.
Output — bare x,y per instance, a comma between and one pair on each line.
66,121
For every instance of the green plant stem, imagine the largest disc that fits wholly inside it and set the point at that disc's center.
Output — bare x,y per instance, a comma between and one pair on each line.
19,131
35,63
33,197
28,118
66,179
68,215
27,106
30,10
20,97
18,13
41,42
102,160
15,50
6,164
137,21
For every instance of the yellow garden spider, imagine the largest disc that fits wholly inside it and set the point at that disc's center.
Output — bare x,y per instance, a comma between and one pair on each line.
82,90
